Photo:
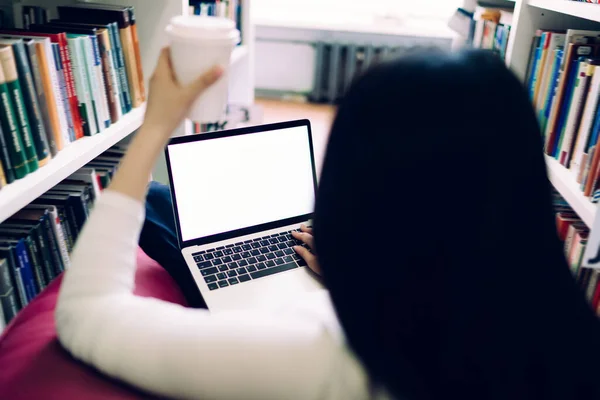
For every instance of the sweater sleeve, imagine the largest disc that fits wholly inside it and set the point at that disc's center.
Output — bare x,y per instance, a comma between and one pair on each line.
174,351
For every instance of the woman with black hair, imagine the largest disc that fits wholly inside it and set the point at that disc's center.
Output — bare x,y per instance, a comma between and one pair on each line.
434,233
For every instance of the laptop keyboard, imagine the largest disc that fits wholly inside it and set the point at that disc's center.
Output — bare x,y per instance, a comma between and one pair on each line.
244,261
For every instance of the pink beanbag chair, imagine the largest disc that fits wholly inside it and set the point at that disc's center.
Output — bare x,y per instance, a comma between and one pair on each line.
33,365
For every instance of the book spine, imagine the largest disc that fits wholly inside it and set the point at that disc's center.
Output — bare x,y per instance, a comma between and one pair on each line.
586,120
138,55
574,116
26,270
10,254
130,65
13,134
8,294
122,73
112,92
52,245
552,94
2,176
44,253
52,94
70,87
36,264
59,232
66,228
62,86
564,111
535,72
34,115
5,160
80,86
88,62
16,97
41,97
58,96
102,88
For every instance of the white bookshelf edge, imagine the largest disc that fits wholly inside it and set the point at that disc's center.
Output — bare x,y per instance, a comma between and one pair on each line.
584,10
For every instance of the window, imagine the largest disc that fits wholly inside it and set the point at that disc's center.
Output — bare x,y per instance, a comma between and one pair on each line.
363,11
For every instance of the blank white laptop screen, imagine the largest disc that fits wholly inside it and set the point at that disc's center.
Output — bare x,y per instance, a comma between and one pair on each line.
235,182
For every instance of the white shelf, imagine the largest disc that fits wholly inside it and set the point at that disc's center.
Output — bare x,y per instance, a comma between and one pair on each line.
564,181
238,53
18,194
588,11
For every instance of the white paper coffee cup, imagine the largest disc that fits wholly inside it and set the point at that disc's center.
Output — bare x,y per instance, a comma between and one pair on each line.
198,43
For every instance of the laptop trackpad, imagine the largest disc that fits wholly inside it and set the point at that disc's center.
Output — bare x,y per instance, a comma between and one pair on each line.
269,292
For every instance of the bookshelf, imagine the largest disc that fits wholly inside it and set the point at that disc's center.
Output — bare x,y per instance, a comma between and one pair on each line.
529,16
23,191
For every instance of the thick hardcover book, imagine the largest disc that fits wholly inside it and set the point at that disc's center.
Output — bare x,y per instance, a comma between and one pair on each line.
30,98
5,160
62,82
83,189
2,176
8,293
44,107
86,105
11,129
25,268
9,68
100,14
9,252
587,119
54,220
61,40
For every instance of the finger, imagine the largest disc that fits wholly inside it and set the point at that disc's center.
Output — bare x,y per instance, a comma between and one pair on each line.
306,238
195,88
310,258
306,229
305,254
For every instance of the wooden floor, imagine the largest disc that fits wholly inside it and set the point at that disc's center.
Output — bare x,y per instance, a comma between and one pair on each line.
320,116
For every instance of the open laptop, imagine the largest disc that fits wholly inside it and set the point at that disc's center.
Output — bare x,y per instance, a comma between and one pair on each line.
237,196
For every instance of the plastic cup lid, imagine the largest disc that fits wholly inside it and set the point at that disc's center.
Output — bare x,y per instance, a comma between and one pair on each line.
204,27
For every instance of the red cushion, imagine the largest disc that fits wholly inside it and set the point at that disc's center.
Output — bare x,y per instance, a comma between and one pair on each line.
35,366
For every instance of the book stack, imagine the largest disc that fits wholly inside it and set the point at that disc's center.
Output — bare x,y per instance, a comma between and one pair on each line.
231,9
35,243
574,234
491,29
563,79
64,79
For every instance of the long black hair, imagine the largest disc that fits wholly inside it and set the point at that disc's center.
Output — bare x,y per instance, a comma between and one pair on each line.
436,236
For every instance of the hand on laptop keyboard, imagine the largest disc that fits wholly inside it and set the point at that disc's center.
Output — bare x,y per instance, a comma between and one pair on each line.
307,251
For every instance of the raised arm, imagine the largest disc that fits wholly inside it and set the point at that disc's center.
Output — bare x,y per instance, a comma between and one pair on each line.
168,349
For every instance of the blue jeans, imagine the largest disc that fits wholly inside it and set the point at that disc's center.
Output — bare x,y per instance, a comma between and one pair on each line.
159,241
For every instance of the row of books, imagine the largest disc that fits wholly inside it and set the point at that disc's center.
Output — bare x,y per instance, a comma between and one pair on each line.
231,9
563,79
35,243
63,80
574,234
491,29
